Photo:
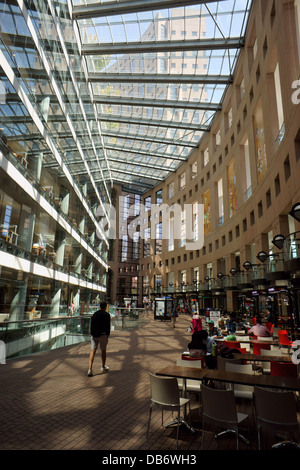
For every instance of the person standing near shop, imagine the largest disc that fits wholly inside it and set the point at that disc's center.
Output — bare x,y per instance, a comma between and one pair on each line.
174,315
100,331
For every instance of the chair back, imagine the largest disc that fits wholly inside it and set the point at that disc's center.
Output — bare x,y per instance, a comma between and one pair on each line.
243,342
222,361
232,344
264,338
277,407
219,404
257,347
241,368
283,338
269,352
164,390
193,359
267,365
240,389
187,363
269,325
242,350
284,369
275,331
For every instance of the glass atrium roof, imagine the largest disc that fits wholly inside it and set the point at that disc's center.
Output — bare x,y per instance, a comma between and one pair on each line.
158,71
136,102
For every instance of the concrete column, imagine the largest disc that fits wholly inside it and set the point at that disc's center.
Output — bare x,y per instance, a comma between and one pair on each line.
78,263
92,239
18,299
55,301
280,226
245,254
76,298
60,252
82,225
90,270
65,200
26,227
38,164
262,243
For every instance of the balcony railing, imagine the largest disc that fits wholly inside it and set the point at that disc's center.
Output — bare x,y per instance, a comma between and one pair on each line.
29,337
259,272
248,193
291,247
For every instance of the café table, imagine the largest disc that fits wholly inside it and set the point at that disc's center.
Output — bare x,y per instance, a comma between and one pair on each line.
248,341
207,375
261,358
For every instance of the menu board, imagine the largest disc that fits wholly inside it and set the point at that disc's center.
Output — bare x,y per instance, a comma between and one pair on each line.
159,307
215,316
163,309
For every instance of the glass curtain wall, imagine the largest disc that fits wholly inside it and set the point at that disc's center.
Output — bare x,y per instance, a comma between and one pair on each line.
53,246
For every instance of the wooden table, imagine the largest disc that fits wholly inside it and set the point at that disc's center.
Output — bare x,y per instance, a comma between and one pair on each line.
205,375
261,358
248,341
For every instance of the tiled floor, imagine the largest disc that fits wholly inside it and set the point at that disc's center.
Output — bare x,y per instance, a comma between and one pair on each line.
49,403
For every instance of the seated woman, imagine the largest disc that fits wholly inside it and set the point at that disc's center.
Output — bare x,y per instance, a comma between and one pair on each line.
197,347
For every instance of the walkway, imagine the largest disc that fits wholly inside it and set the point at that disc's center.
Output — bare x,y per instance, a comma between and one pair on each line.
49,403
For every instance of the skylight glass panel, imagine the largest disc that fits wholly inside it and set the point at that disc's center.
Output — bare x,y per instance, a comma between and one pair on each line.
134,91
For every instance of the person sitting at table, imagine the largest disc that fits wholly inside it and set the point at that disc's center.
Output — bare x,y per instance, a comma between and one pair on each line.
197,347
231,324
212,329
222,325
259,329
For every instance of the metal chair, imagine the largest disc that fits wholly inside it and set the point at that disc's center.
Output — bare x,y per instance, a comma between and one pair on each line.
232,344
283,369
219,408
257,347
244,342
222,361
241,391
284,341
190,385
276,410
266,366
165,394
265,338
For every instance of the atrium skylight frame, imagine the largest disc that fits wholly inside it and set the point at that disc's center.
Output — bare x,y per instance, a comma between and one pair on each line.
213,56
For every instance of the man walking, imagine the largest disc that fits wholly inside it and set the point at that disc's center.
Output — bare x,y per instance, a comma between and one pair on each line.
100,331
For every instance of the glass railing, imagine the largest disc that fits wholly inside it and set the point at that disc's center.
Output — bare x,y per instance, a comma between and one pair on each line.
259,272
230,282
220,221
23,338
291,247
248,193
45,261
275,264
46,195
244,278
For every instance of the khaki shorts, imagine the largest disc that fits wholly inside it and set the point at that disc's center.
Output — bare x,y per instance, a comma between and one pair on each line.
100,341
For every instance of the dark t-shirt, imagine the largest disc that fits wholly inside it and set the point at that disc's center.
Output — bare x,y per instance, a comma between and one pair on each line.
100,323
